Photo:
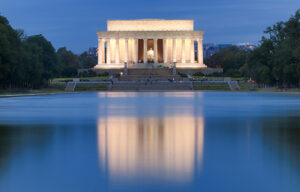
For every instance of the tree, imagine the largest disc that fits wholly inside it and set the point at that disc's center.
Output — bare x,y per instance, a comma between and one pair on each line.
10,45
39,60
231,59
87,61
25,62
68,61
30,62
280,53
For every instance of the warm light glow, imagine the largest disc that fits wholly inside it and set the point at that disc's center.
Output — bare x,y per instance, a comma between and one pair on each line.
183,94
109,66
165,148
150,25
190,65
117,94
113,51
150,55
178,38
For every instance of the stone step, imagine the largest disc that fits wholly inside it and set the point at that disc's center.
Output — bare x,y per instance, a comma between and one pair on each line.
152,77
70,86
149,86
234,86
149,71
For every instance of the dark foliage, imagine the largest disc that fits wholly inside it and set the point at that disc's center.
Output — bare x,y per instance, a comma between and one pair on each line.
25,62
31,62
277,60
68,62
10,48
231,59
87,61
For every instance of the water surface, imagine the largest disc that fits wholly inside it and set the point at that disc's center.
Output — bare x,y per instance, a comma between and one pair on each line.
151,141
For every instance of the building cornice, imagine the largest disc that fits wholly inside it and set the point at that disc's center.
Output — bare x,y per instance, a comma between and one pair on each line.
149,34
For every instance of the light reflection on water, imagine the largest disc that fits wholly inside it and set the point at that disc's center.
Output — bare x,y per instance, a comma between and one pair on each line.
151,141
161,147
166,148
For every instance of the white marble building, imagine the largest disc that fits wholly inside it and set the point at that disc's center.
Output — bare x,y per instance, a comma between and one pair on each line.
144,43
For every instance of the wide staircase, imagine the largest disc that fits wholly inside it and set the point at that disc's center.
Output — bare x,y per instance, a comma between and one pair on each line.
150,75
234,86
148,86
161,71
70,86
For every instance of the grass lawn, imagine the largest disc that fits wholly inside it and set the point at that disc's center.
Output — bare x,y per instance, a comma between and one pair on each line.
245,86
217,78
237,78
53,88
204,77
91,87
101,78
57,87
56,80
211,86
96,78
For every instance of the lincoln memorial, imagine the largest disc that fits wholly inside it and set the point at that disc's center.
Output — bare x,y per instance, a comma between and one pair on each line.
145,43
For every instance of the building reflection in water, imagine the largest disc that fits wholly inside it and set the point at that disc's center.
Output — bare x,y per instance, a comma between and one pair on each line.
164,148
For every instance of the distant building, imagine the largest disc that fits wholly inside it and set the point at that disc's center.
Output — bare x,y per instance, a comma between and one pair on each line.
211,49
224,46
93,51
246,46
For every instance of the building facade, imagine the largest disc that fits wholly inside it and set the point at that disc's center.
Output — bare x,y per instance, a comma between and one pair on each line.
150,43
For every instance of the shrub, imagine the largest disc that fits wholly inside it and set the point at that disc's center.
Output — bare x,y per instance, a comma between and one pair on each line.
215,74
104,74
182,74
198,74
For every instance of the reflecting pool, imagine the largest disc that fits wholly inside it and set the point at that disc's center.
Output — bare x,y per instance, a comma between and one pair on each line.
150,141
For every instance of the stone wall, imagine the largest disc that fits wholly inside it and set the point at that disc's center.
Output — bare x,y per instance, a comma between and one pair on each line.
205,71
150,25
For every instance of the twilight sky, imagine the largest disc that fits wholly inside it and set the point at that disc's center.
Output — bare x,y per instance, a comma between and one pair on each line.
73,23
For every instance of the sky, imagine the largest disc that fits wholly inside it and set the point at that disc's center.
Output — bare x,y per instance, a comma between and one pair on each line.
73,23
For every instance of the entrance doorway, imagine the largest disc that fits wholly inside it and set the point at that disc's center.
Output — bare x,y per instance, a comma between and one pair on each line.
150,51
140,51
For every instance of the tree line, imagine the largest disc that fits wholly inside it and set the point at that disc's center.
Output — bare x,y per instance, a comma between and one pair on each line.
32,61
275,62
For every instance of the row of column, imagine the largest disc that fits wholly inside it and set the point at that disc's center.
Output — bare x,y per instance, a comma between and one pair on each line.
101,52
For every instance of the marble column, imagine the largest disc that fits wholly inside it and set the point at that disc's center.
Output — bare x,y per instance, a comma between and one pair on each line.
155,50
174,50
145,50
183,51
126,51
192,51
200,51
108,51
165,51
100,51
136,50
117,51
